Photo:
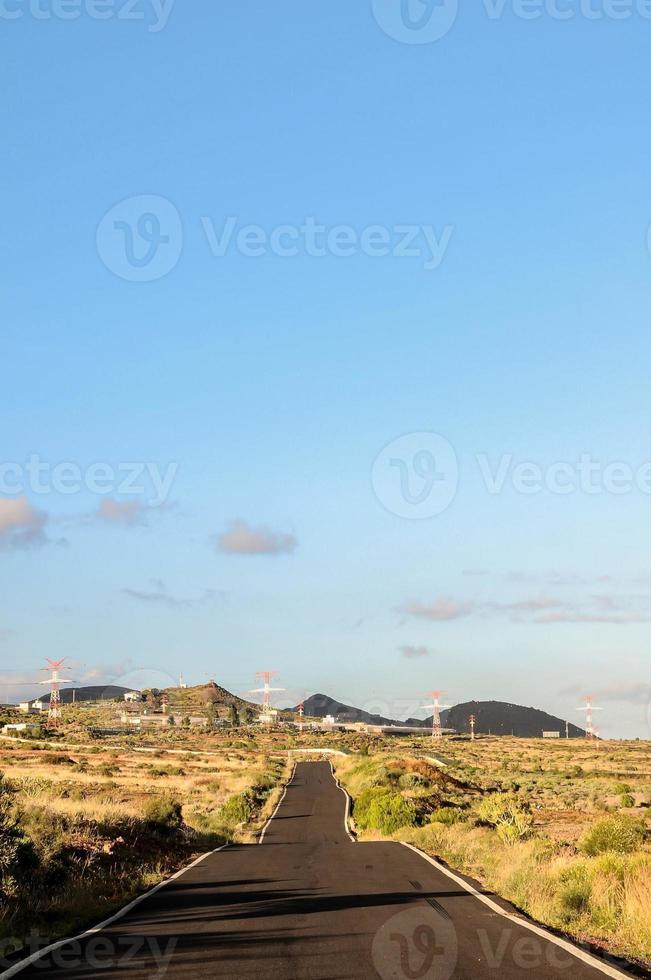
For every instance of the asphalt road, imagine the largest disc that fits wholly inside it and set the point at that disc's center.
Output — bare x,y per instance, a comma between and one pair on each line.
310,903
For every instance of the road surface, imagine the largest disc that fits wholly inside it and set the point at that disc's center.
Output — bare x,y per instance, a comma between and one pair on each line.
311,903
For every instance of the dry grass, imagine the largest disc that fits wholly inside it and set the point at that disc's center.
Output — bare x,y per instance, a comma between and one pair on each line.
87,811
540,862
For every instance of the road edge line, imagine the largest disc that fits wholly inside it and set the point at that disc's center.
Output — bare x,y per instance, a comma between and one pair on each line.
565,944
39,954
277,807
348,805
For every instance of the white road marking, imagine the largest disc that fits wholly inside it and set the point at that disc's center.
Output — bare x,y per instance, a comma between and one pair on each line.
18,967
278,805
609,971
348,803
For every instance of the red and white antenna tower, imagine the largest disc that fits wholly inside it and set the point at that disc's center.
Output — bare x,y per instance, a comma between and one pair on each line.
301,712
55,681
266,676
437,707
589,707
472,727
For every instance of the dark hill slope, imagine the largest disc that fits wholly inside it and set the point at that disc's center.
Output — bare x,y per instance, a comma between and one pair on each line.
494,717
500,718
320,705
80,694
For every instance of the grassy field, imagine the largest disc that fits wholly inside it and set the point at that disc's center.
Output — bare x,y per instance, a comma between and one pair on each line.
561,829
84,828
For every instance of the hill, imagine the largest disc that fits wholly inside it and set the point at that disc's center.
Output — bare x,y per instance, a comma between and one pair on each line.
69,695
201,695
501,718
492,717
320,705
187,699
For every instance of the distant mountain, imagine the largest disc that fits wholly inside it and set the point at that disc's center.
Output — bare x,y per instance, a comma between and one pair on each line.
320,705
80,694
500,718
492,717
181,698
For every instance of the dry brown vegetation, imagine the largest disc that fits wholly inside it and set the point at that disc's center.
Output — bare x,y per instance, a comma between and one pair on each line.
84,828
561,829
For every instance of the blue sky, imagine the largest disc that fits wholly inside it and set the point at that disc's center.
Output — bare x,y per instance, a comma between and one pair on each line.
272,383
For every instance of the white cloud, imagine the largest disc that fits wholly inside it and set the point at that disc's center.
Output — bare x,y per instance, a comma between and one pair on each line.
242,539
128,512
160,595
415,653
439,610
21,526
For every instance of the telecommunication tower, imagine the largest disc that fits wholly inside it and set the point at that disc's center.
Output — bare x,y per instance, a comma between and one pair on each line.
266,676
589,707
437,707
472,728
55,682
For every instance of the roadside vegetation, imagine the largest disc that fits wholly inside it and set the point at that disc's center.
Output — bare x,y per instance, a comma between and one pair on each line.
84,830
561,830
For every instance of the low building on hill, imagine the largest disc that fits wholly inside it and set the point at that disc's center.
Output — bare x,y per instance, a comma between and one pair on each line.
27,708
22,728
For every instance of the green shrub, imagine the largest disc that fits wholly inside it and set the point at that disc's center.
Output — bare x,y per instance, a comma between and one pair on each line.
164,811
621,834
17,854
237,809
627,801
620,788
264,782
507,814
574,894
448,815
410,780
378,808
